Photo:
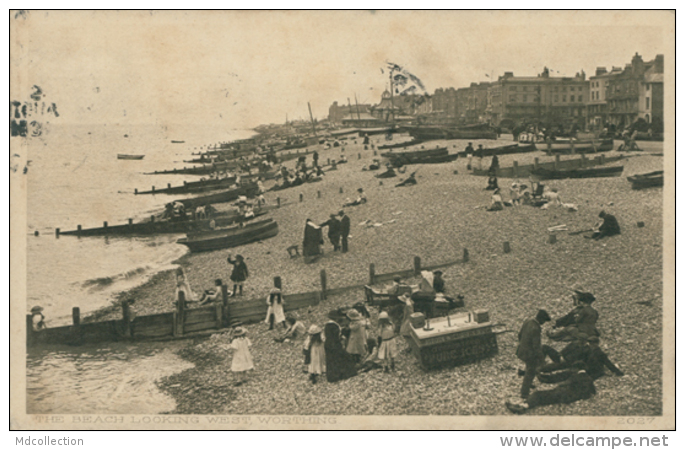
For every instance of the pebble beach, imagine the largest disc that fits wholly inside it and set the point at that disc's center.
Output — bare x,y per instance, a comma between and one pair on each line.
436,220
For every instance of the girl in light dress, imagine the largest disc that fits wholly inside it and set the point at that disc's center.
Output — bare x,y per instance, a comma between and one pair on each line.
242,359
275,314
317,353
387,351
183,286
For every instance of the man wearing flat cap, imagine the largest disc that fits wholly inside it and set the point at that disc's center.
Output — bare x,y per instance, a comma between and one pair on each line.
529,349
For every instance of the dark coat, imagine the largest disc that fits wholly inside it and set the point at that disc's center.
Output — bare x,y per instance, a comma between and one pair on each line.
578,386
339,364
239,272
530,342
597,360
609,226
584,317
312,241
345,225
333,227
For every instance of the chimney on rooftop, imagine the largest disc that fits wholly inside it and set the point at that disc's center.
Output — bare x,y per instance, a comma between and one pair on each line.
600,71
659,64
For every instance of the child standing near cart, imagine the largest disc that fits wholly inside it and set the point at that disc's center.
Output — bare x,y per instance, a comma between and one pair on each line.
317,354
242,359
387,350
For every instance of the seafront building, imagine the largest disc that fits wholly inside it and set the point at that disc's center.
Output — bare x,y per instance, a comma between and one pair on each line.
619,97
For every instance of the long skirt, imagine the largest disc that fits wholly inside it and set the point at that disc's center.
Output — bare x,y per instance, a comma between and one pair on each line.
388,349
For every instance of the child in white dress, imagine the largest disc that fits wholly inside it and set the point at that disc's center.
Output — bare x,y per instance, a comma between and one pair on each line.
242,359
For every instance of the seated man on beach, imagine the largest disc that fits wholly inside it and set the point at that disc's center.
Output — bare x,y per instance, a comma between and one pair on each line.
496,203
212,295
608,227
581,319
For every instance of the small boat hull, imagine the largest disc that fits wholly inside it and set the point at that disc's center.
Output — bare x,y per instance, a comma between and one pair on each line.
647,180
565,147
597,172
231,237
133,157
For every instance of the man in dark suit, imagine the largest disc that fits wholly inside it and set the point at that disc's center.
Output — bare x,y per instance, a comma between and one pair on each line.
333,225
530,348
344,229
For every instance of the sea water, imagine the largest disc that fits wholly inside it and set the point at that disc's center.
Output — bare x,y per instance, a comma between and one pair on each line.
74,178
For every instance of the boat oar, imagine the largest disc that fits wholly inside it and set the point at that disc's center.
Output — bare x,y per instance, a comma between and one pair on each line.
574,233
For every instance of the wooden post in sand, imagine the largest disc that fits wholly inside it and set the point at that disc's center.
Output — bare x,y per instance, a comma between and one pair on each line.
278,202
341,189
372,273
224,303
318,194
322,275
178,314
516,169
126,317
301,197
552,238
507,247
557,159
417,265
536,163
466,255
57,232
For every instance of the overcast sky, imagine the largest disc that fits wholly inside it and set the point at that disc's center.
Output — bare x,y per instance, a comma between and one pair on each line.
240,69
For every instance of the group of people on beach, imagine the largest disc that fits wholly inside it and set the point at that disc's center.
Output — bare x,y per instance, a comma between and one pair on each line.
573,369
338,234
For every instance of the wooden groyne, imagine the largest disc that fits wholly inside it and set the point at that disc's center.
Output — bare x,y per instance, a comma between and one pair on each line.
517,171
184,322
153,226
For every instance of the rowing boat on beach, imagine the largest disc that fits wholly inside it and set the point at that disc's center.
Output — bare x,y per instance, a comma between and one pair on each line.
595,172
126,156
220,197
504,150
567,146
646,180
230,237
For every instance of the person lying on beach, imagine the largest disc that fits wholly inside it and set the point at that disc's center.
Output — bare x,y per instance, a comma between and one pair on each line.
212,295
361,198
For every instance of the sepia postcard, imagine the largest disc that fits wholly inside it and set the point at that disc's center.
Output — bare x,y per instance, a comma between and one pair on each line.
322,220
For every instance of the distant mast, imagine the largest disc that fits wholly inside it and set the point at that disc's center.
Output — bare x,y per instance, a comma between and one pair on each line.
312,118
357,103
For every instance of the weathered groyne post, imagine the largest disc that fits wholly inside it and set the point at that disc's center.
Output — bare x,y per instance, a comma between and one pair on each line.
322,276
372,273
417,265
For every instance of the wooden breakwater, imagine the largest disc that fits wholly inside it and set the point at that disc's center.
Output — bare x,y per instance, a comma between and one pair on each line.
154,226
519,171
185,322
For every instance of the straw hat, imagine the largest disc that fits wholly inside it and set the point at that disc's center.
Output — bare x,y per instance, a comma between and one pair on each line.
239,331
353,314
36,309
314,329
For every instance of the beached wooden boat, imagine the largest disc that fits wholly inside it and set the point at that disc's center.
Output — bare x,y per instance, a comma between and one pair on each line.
229,195
432,156
647,180
178,142
230,237
593,172
400,144
126,156
428,133
504,150
566,146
